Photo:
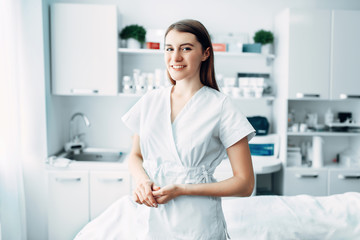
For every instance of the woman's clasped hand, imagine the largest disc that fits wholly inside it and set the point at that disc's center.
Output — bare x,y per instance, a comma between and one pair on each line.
143,193
151,195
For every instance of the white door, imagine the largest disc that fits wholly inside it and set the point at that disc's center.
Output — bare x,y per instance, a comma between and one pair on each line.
346,52
342,181
105,188
68,206
84,42
305,181
309,53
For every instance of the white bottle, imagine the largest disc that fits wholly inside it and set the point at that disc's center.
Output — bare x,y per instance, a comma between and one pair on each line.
329,117
317,161
127,85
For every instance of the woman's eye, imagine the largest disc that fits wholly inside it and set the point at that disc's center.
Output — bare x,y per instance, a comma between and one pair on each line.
186,49
168,49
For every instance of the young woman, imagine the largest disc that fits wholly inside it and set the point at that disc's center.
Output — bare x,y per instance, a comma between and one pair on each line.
182,133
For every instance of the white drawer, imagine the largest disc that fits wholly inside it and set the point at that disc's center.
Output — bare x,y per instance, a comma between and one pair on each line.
305,181
341,181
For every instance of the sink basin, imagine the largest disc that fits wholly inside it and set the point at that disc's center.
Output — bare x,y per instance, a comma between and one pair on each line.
95,155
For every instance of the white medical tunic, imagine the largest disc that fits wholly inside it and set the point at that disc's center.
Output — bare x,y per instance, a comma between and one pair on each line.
185,151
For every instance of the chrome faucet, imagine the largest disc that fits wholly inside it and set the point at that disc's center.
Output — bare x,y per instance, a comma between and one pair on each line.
86,121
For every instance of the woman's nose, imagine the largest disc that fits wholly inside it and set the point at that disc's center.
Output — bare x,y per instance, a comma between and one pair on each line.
177,56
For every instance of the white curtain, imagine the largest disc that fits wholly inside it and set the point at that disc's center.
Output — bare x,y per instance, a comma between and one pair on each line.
12,197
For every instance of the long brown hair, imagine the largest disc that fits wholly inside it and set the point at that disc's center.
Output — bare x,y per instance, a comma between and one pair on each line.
207,71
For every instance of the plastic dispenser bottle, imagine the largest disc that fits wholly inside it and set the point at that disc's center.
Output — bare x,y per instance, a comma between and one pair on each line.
329,117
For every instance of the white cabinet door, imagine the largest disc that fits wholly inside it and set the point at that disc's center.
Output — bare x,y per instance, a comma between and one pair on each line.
68,205
84,46
305,181
341,181
309,53
105,188
346,52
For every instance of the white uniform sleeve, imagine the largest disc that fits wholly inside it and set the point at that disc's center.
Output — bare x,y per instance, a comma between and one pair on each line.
233,125
132,117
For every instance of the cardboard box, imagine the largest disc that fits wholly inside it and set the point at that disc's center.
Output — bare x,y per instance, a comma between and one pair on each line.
152,45
219,47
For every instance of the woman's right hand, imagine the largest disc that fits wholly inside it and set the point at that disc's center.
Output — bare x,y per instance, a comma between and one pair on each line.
143,193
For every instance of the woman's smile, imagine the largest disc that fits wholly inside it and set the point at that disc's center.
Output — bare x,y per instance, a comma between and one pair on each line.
178,67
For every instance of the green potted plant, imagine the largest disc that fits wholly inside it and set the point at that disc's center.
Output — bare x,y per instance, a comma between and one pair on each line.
134,35
265,38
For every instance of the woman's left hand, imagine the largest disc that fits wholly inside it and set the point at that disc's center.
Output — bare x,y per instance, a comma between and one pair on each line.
165,194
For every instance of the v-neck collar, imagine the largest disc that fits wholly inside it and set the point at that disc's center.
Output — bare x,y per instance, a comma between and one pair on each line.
170,124
187,104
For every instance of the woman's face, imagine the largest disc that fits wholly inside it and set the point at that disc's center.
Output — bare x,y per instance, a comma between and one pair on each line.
183,55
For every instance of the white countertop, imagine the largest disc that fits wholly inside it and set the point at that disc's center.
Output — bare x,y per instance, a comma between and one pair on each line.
66,164
261,165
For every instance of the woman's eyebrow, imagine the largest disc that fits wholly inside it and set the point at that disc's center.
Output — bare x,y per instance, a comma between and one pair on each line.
183,44
187,44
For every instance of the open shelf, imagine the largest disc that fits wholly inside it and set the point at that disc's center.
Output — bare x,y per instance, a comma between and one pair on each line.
325,134
160,52
141,51
263,98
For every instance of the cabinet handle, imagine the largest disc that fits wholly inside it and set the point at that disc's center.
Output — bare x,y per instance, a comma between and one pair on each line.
344,177
307,95
314,175
68,179
84,91
111,179
346,96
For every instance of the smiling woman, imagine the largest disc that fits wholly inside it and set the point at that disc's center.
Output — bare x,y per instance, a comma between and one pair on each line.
198,36
181,134
184,56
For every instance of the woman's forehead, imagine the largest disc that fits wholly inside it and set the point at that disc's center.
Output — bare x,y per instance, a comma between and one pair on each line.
177,38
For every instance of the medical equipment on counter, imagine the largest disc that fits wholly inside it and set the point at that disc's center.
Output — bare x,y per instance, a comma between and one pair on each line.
265,146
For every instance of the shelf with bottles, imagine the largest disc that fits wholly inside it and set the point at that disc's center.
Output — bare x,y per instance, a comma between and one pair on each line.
323,118
252,87
230,54
322,151
269,99
324,134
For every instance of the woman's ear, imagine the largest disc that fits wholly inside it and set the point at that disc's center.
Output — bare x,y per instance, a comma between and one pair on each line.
206,54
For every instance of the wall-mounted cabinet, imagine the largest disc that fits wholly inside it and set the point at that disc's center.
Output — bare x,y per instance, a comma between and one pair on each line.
309,53
84,42
345,55
318,51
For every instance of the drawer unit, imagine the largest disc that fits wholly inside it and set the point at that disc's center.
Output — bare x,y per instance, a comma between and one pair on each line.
305,181
105,188
341,181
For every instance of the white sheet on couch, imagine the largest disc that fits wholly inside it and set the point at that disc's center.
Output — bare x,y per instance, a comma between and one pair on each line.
302,217
293,217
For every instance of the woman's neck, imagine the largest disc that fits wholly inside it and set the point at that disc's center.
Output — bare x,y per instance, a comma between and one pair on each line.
186,88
